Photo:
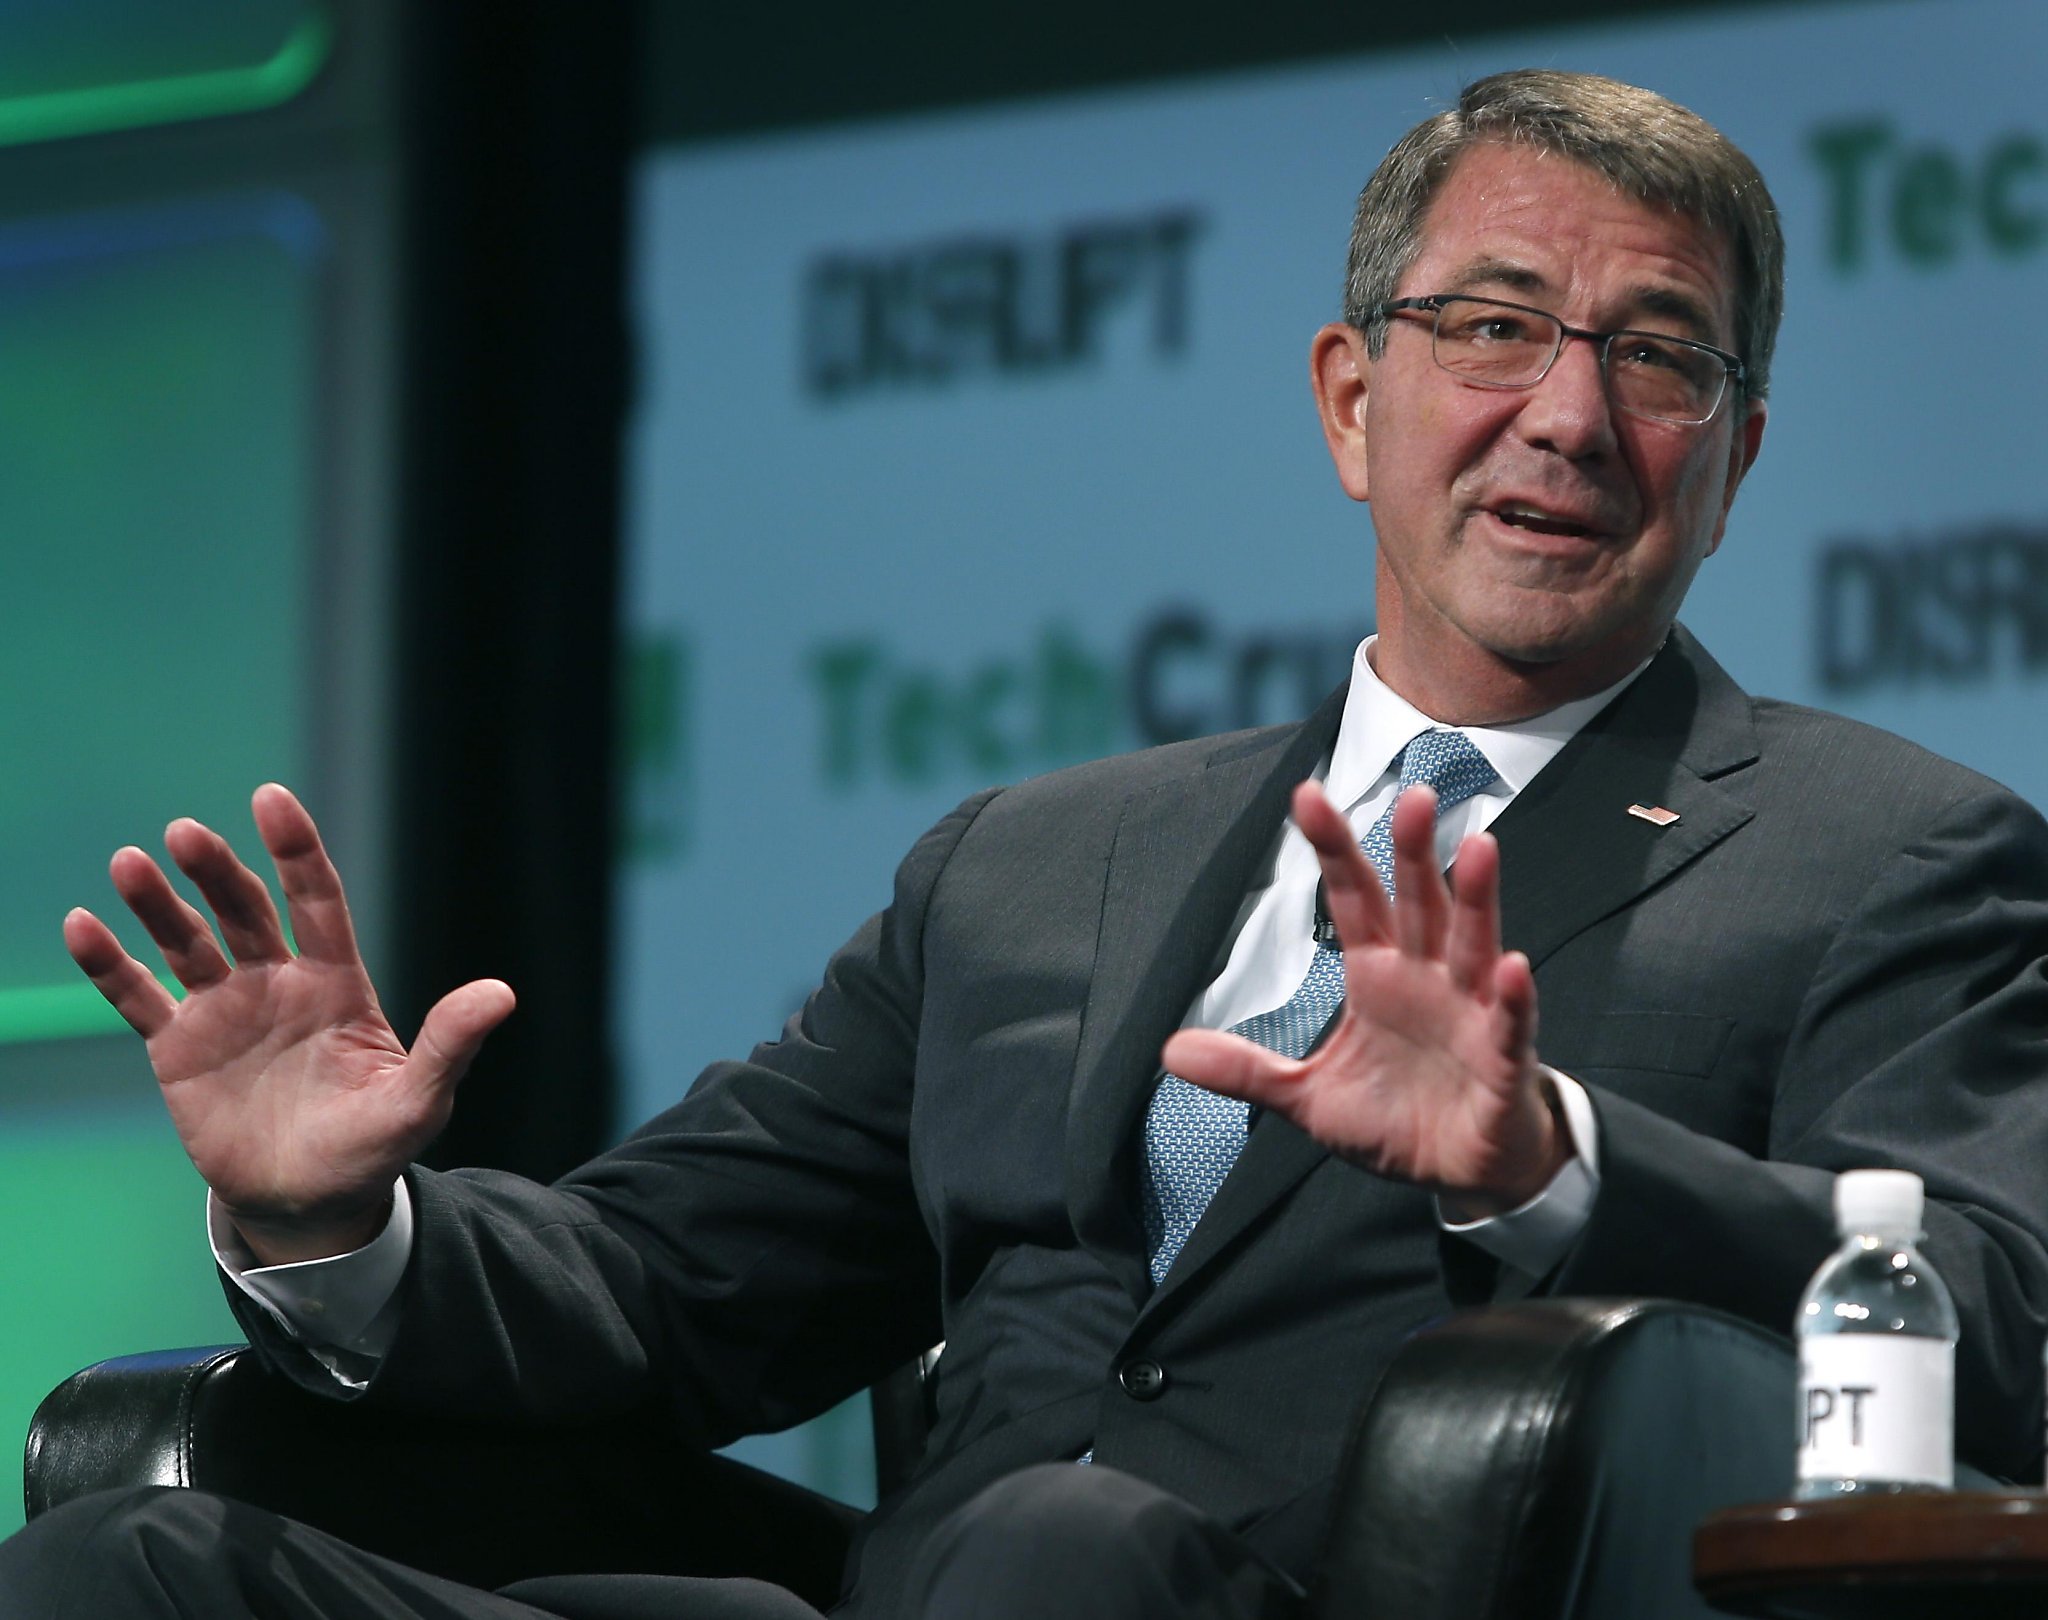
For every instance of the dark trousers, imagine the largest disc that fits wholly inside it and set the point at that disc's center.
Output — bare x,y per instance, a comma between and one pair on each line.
1057,1540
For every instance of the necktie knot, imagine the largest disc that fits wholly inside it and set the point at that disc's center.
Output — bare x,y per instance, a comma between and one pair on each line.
1448,761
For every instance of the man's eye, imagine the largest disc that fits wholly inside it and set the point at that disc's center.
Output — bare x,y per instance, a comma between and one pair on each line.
1645,354
1492,329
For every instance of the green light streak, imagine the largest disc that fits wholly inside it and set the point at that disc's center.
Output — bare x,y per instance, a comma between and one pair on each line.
58,1012
60,114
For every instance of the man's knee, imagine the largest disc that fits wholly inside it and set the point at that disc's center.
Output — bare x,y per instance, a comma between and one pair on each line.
93,1554
1082,1541
1082,1509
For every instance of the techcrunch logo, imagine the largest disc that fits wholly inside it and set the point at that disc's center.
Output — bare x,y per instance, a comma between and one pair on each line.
1925,203
1950,609
889,719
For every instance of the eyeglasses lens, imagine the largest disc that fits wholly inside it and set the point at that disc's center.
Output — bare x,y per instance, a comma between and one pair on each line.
1506,347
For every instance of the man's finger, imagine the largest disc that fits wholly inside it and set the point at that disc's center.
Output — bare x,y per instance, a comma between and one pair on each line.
312,887
240,902
1474,943
1422,906
129,987
454,1030
1351,889
1232,1065
1514,993
190,951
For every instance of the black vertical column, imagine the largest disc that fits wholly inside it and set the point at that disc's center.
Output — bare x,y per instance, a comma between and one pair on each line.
519,127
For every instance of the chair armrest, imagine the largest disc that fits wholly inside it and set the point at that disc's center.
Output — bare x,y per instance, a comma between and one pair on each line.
482,1505
1551,1458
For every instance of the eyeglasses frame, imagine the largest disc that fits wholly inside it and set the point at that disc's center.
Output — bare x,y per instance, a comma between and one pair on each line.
1733,366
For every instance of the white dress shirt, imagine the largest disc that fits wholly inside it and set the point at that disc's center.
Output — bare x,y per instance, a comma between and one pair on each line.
345,1308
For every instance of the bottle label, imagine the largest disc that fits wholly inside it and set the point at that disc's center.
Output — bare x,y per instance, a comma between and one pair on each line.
1877,1406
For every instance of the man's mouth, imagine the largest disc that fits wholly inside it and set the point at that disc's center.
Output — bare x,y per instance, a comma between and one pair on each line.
1523,515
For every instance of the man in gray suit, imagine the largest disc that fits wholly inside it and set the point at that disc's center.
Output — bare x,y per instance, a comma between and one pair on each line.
1146,1097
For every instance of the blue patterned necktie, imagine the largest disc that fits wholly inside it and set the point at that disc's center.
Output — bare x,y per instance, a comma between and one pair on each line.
1192,1136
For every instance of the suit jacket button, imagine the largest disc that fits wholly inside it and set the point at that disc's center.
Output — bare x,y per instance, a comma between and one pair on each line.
1142,1380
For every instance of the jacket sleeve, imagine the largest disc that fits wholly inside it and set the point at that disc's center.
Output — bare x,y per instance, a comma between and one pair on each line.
1921,1042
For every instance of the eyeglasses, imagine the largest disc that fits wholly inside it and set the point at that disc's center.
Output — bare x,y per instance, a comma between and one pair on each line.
1501,345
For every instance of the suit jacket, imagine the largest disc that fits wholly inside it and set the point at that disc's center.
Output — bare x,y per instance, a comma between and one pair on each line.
1832,958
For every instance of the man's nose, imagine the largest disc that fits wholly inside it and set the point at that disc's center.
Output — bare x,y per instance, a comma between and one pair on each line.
1569,411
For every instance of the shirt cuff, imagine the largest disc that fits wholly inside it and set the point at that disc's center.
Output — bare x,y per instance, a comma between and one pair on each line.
347,1303
1534,1237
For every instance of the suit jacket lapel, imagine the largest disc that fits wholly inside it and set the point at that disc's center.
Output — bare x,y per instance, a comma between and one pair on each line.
1186,852
1571,853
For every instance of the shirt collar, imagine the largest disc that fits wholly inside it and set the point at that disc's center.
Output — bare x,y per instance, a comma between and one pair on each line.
1378,723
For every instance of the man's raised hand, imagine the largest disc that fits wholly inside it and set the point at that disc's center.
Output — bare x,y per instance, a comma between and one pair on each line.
295,1099
1430,1074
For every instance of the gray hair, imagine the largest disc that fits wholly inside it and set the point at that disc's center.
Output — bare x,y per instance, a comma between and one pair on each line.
1651,148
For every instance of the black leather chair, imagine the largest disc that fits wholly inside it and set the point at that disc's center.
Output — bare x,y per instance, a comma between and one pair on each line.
1542,1459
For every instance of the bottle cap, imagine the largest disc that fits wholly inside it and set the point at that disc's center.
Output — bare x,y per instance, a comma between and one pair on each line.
1884,1202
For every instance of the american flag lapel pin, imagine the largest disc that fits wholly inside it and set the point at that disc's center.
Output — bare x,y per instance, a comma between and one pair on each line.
1655,814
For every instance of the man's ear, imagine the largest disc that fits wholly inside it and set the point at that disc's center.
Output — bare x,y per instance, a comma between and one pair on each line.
1744,443
1340,372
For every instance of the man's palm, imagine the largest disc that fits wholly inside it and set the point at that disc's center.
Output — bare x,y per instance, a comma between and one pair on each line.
1430,1074
1419,1077
295,1099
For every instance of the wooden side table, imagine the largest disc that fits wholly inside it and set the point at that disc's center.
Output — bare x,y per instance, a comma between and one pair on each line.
1981,1554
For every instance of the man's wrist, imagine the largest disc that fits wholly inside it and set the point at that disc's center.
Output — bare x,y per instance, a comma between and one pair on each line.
282,1243
345,1309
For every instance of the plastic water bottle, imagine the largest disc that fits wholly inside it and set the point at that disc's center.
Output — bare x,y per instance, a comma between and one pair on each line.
1877,1350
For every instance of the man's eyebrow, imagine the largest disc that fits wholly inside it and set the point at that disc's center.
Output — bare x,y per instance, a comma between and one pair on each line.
1498,273
1675,306
1656,302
